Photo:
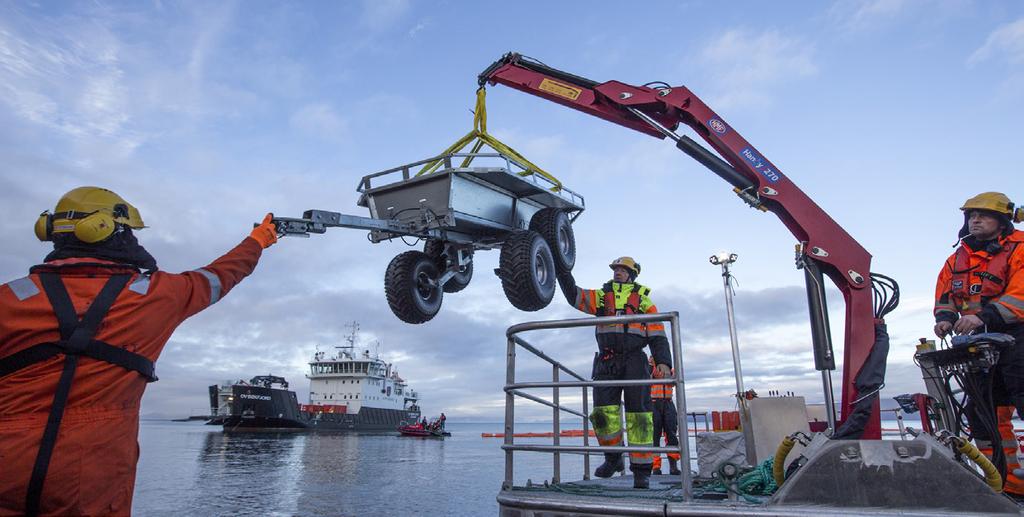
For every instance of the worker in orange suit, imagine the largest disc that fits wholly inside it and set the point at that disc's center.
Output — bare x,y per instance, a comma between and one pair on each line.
663,410
79,336
981,289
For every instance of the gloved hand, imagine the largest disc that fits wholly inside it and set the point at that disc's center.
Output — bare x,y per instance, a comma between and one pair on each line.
664,371
265,233
568,285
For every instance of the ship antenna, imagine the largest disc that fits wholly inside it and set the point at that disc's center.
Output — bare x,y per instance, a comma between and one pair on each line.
351,338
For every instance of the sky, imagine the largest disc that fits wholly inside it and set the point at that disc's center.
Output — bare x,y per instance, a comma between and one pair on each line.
206,116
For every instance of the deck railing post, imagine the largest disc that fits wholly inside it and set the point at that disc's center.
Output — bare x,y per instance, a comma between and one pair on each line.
556,427
586,434
684,442
510,405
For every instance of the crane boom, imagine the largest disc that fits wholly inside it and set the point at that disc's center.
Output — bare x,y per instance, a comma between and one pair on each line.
826,248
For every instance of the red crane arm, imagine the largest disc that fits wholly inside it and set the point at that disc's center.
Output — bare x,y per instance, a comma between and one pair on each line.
658,111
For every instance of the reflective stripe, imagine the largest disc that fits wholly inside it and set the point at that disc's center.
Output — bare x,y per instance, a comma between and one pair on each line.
641,458
23,288
1008,315
215,287
945,308
140,285
610,440
661,391
1010,308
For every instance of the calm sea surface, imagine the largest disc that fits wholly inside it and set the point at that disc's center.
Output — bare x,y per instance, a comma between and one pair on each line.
187,468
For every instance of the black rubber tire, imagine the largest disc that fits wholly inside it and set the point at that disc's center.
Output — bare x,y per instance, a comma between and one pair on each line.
527,270
410,299
435,250
553,224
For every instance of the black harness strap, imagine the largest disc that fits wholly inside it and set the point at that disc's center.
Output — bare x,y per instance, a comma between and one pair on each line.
75,337
95,349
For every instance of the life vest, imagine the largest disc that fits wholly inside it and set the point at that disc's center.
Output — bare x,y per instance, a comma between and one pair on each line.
76,341
632,305
972,286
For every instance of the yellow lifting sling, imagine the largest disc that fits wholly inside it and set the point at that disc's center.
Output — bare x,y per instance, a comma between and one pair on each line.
479,133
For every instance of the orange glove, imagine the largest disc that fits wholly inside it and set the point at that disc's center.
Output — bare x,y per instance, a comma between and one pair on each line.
265,233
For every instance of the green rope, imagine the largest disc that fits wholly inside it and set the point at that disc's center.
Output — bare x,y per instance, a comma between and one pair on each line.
759,481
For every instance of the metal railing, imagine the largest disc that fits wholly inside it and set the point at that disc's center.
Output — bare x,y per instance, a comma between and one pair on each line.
514,389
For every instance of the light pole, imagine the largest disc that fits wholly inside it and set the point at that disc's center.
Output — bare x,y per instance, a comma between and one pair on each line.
724,259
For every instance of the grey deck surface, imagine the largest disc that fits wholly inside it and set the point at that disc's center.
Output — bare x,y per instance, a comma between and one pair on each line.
616,496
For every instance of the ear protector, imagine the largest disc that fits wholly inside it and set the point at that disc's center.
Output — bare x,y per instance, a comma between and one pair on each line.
89,228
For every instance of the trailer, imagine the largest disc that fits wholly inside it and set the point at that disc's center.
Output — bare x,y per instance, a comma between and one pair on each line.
458,209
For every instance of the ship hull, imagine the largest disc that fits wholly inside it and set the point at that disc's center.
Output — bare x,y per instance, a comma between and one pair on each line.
259,409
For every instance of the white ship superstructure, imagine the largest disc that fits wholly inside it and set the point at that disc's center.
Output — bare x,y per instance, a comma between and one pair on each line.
357,380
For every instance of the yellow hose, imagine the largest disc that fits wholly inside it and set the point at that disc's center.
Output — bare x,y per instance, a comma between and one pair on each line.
779,464
991,474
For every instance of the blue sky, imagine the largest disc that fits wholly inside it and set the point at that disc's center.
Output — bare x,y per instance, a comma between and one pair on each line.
887,113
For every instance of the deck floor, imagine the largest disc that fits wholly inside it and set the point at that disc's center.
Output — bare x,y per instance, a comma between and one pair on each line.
616,496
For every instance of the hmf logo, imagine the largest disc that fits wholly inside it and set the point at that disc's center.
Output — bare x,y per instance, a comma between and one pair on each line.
718,126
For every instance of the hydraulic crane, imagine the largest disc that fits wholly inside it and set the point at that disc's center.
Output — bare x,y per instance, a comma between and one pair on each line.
825,248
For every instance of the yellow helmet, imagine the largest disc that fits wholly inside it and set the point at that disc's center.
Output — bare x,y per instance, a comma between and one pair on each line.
90,213
628,263
993,201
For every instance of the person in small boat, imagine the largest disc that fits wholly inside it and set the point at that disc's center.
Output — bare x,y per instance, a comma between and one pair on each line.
620,356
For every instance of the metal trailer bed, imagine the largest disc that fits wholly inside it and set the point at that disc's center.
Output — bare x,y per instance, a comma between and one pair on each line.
458,209
469,205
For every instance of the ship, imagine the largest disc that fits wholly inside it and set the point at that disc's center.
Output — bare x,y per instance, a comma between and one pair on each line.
348,391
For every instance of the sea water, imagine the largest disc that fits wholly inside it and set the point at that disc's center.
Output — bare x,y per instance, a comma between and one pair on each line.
187,468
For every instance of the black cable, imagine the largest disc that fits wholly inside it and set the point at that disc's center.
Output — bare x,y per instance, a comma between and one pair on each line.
886,293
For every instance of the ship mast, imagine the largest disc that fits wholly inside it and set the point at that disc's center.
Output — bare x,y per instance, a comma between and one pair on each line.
350,339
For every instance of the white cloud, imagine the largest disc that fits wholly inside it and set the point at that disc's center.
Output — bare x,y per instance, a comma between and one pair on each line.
747,66
1007,41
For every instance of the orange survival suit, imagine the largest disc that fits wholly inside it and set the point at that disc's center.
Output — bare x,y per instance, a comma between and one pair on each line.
986,279
91,469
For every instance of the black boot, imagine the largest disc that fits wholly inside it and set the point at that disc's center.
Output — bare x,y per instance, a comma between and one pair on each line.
612,464
673,467
656,472
641,476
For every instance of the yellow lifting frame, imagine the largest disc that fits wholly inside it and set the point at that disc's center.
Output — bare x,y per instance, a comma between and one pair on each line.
479,133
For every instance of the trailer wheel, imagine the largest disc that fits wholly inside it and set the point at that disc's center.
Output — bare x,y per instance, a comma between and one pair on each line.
553,224
435,249
411,288
527,270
